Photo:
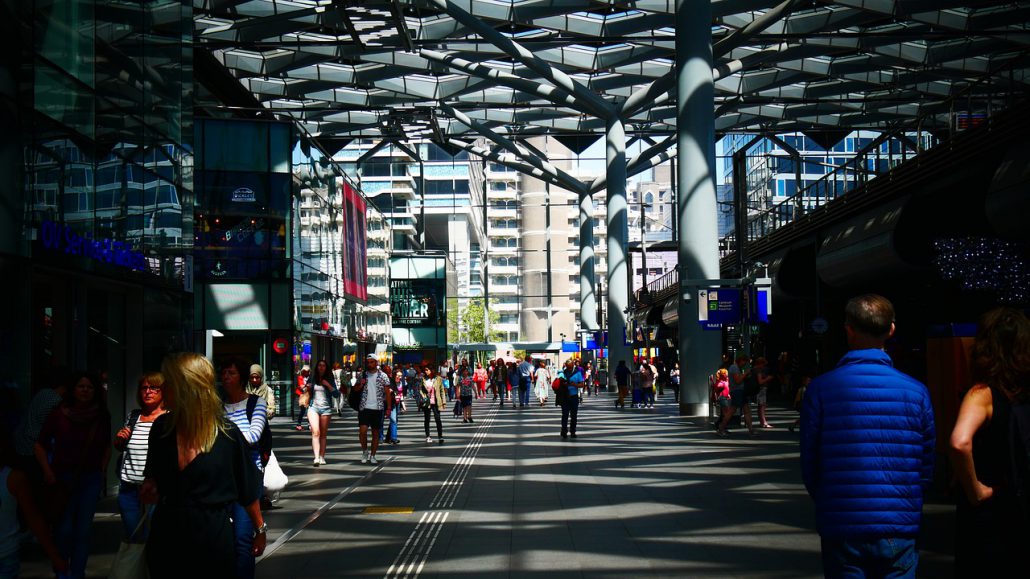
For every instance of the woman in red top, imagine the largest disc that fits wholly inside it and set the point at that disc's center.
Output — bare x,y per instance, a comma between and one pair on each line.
73,450
480,377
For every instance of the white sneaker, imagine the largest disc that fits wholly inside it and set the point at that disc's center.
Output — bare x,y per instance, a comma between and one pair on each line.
372,460
321,460
364,458
429,439
315,462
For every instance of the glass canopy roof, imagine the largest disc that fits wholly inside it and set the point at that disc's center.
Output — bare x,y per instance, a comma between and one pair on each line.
408,69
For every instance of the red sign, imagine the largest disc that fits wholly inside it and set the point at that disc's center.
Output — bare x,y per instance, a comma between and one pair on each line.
281,346
355,260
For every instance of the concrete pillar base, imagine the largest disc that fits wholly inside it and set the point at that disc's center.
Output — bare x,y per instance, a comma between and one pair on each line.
693,409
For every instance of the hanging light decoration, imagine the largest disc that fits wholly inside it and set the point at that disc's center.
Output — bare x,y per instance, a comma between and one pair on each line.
985,264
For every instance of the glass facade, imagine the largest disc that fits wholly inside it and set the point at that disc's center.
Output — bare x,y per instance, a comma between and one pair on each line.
97,188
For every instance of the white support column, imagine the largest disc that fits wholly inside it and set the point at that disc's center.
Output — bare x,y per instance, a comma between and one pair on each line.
695,197
617,238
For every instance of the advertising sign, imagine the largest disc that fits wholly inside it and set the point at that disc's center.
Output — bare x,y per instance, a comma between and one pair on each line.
417,303
355,250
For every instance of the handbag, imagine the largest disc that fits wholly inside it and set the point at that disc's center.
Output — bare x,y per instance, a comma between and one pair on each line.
305,398
275,479
354,398
130,562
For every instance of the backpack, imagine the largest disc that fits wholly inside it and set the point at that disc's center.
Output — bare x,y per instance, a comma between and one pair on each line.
265,442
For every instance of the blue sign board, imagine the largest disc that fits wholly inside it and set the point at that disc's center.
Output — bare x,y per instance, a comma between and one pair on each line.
718,306
711,326
569,346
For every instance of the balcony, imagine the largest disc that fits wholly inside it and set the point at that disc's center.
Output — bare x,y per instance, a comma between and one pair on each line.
504,289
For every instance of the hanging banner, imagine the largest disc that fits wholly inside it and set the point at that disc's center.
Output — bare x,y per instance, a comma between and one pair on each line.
355,250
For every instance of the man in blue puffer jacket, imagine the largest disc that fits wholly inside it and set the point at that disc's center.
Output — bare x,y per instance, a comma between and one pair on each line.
867,450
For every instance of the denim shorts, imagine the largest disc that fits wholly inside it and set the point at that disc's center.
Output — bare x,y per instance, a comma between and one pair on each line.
725,402
322,410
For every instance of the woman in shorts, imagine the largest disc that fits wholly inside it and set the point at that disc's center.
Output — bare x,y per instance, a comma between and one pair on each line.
723,400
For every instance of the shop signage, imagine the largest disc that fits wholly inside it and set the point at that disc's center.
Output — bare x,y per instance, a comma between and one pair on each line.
718,306
416,302
60,237
281,346
243,195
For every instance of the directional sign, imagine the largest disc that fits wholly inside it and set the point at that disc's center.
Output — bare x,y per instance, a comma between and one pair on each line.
720,306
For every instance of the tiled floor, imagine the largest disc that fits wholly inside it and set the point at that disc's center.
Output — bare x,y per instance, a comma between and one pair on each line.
638,493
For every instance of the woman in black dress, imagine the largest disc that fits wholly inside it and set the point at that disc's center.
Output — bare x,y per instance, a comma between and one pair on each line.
992,527
198,465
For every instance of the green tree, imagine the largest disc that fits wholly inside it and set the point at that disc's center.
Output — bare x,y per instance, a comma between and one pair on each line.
470,330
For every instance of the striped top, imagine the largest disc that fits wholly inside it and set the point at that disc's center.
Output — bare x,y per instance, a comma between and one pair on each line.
237,413
135,458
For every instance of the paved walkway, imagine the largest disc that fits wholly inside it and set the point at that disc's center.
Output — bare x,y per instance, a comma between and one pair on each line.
638,493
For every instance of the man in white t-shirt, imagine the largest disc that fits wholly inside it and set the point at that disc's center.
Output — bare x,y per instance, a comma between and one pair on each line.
373,384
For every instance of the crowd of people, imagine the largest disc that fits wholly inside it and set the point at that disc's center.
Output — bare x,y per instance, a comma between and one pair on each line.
191,458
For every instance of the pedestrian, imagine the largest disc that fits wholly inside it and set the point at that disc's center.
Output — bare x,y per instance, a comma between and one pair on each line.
466,390
622,377
430,398
373,386
73,450
337,401
256,385
542,380
303,396
739,374
322,388
18,505
799,399
249,413
52,388
648,375
198,466
393,401
992,524
500,378
674,381
661,376
571,383
480,378
867,451
525,381
723,401
763,377
133,440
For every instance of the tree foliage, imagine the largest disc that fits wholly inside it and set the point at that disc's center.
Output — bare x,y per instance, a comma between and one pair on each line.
465,325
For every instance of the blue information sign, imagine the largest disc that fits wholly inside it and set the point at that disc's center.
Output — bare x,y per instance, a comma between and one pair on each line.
718,306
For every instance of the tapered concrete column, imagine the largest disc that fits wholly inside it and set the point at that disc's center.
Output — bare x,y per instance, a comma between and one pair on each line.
695,197
587,276
617,237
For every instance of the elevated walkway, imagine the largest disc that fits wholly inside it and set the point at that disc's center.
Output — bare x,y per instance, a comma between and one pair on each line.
638,493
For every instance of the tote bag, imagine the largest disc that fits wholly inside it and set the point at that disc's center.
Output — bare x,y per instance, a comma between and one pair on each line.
130,562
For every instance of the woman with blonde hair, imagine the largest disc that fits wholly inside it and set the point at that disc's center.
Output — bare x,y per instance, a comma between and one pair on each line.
198,467
722,398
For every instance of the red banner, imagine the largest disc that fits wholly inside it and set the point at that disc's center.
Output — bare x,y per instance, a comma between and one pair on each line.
355,254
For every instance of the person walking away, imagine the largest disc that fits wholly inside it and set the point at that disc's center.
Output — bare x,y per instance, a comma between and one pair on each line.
867,452
542,380
73,449
525,382
723,400
199,466
466,392
739,373
992,523
674,381
662,376
132,440
622,377
303,396
373,387
431,392
572,382
395,405
648,375
764,377
322,389
480,378
338,401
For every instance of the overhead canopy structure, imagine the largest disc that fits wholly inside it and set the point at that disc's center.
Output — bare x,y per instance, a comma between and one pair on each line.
380,68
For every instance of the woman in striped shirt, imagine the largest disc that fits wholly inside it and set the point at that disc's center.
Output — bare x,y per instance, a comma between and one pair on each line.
133,440
251,426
